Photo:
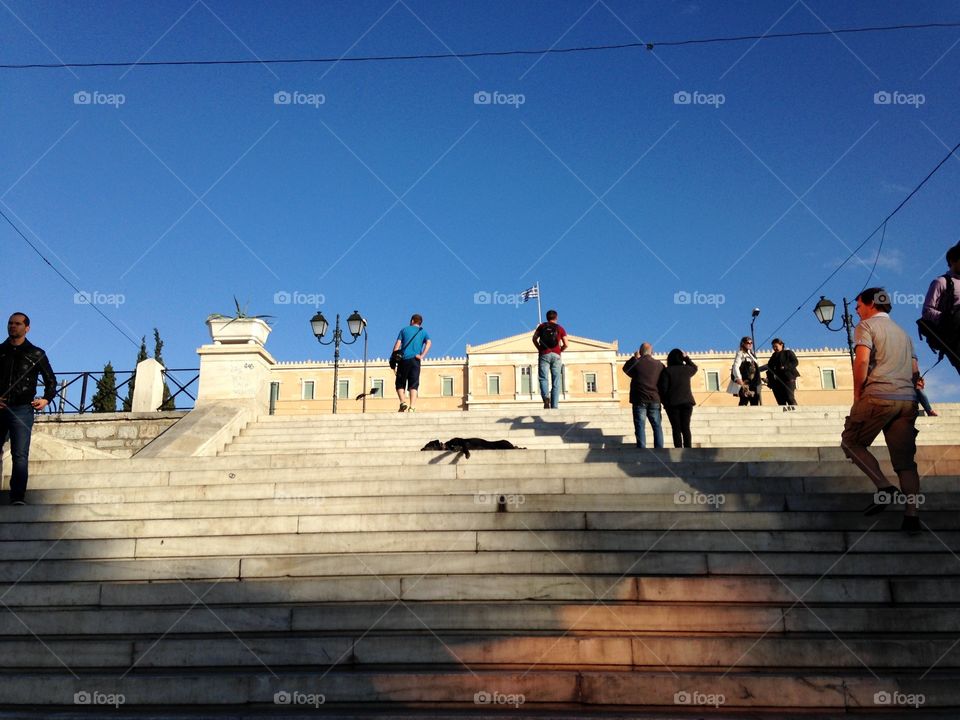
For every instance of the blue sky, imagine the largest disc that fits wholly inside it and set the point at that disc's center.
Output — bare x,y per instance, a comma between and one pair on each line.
387,188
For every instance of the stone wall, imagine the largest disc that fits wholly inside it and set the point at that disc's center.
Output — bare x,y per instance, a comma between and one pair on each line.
120,434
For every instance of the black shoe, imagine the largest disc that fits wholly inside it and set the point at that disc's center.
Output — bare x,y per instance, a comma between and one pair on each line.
17,502
911,525
882,499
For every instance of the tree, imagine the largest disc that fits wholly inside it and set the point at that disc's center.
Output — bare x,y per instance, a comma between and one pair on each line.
142,355
105,399
167,403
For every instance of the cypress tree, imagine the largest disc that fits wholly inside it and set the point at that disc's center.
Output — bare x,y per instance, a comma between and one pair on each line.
142,355
167,403
105,399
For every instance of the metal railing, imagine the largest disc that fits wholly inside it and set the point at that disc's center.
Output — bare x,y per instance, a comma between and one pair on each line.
76,390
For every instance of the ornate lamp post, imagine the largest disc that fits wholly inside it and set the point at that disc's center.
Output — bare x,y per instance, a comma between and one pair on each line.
356,325
825,311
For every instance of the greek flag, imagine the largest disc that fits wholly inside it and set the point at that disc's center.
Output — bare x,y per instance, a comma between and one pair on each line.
530,293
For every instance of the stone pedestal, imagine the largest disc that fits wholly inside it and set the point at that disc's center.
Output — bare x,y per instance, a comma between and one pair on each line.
148,389
237,373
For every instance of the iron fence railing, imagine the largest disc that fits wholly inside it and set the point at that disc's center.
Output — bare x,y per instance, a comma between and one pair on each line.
76,390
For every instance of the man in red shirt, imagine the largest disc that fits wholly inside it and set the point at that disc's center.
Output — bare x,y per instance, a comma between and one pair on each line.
550,339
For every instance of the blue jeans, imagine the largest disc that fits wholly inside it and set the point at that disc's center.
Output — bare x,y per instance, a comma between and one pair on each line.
17,422
553,363
652,412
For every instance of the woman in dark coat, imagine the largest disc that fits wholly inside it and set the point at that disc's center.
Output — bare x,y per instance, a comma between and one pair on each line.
676,395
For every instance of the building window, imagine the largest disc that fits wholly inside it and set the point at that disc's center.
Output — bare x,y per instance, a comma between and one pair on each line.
713,381
828,379
343,389
377,387
590,382
493,384
526,380
306,392
446,386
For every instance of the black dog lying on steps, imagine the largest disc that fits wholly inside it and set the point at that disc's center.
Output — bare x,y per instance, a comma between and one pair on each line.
465,445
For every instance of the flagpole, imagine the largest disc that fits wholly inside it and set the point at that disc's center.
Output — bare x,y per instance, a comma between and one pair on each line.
539,314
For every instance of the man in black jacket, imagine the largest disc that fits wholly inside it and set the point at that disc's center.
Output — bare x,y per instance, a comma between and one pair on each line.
782,373
20,363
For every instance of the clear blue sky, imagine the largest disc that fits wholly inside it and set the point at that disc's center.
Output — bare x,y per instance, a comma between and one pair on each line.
599,185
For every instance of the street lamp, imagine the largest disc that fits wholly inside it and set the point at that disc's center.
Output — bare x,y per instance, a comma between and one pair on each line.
753,340
825,311
356,325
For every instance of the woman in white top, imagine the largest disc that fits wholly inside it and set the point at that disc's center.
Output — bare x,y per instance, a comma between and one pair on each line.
746,373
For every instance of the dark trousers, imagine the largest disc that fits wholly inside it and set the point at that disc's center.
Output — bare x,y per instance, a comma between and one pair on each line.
679,416
784,391
17,422
755,400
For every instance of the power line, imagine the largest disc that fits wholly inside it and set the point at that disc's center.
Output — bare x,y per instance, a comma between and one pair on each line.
65,278
881,226
480,54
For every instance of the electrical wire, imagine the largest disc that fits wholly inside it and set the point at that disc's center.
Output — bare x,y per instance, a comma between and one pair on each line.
883,225
480,54
65,278
876,258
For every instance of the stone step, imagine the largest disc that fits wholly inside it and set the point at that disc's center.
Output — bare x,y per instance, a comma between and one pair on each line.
497,690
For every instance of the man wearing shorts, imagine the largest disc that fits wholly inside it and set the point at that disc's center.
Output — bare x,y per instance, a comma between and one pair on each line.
885,376
414,341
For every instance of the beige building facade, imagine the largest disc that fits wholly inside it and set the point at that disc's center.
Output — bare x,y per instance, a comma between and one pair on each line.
503,374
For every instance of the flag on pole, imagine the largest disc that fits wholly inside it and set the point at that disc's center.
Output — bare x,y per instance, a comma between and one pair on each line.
532,293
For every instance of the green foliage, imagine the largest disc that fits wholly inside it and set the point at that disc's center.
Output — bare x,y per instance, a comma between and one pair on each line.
141,355
105,399
167,403
239,313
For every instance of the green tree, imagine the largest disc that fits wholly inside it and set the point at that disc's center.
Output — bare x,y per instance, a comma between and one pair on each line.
167,403
142,355
105,399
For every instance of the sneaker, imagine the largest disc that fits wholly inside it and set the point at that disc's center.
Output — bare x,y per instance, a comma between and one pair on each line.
411,409
911,525
403,407
878,507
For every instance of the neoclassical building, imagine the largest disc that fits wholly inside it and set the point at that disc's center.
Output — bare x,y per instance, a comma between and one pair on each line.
503,374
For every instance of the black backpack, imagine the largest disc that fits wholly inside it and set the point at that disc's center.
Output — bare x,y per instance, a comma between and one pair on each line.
943,337
549,336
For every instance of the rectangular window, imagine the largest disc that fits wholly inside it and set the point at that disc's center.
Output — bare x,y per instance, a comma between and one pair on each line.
343,389
306,392
713,381
446,386
590,382
828,379
493,384
377,387
526,382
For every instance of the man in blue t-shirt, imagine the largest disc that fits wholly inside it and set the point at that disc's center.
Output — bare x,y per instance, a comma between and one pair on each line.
414,341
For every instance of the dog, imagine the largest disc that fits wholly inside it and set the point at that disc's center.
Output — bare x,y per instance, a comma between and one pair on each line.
465,445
